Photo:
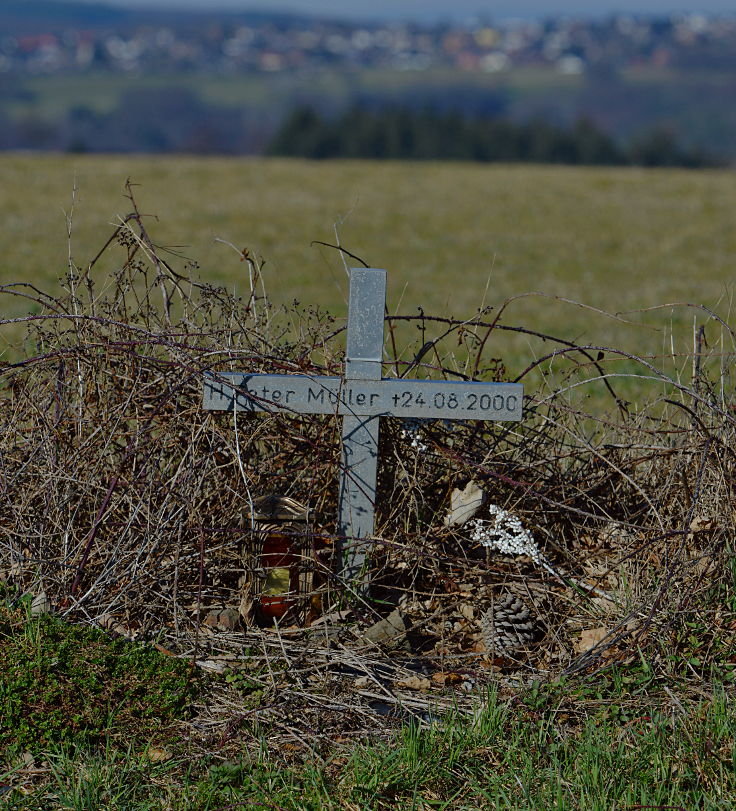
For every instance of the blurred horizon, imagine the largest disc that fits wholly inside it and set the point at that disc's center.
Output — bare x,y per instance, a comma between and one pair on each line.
436,10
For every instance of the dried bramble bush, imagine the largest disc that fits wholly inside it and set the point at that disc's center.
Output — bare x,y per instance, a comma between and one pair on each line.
131,507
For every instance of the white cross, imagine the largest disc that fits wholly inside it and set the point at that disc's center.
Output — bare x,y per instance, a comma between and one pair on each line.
361,397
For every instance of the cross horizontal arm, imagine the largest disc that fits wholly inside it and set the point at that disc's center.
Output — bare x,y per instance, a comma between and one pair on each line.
389,397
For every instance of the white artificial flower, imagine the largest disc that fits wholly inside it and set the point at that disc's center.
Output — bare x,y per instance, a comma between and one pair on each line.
505,534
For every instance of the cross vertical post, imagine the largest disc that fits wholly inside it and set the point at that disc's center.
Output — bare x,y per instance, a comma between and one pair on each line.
359,455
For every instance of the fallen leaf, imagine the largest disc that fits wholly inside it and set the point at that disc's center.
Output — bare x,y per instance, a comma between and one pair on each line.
109,623
158,754
211,665
464,504
606,606
704,566
40,605
224,619
414,683
589,638
700,525
390,632
444,679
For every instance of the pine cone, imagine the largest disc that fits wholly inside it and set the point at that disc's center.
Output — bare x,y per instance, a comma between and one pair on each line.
507,626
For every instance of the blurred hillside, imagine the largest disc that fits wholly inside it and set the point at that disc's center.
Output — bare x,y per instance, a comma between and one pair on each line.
86,77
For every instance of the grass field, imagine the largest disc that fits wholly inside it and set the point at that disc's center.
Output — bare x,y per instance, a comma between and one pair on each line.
454,237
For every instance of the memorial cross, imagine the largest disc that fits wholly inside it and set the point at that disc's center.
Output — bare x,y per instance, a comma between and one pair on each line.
362,397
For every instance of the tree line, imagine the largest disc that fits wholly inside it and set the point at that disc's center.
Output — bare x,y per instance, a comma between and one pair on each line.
174,119
406,134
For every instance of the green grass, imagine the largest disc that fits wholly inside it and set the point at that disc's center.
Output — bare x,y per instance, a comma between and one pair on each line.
51,97
625,752
453,237
89,723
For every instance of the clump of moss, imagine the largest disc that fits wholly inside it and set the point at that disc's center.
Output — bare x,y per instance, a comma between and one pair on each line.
61,682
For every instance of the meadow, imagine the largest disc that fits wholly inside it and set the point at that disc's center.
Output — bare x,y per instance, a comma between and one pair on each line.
454,238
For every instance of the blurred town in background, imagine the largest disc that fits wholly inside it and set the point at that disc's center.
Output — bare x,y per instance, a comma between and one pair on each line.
80,77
